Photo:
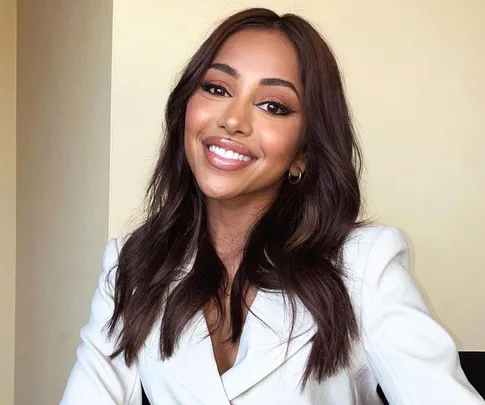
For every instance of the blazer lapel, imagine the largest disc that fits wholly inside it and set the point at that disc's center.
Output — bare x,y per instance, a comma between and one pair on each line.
193,364
263,346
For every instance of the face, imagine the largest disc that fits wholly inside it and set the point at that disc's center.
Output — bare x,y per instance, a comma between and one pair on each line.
243,125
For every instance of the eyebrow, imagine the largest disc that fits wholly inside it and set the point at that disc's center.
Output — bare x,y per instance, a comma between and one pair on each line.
269,81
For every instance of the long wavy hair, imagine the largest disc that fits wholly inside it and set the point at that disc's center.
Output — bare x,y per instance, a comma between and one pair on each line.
295,247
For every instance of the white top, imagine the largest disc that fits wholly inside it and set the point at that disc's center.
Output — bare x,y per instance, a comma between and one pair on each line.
401,347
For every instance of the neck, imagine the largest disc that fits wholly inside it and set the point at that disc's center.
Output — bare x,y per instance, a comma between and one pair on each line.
230,222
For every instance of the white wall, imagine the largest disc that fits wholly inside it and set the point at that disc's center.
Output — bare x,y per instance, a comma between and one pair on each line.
8,27
416,81
64,92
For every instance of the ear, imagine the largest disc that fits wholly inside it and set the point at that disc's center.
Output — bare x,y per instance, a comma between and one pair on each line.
299,164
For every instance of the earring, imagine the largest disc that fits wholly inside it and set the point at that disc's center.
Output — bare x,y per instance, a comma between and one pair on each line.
294,179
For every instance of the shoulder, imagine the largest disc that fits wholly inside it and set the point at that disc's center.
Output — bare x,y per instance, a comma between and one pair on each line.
111,253
366,237
112,250
371,246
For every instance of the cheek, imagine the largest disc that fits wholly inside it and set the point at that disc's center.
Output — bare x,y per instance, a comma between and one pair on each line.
280,143
198,116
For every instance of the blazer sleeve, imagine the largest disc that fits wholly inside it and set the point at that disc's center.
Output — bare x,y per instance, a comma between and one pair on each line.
412,357
95,379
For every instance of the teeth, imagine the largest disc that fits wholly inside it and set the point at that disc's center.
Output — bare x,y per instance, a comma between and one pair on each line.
228,154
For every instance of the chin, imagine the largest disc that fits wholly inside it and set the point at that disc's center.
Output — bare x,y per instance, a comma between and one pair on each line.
218,192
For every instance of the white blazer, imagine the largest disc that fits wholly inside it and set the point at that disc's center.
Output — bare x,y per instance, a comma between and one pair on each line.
401,347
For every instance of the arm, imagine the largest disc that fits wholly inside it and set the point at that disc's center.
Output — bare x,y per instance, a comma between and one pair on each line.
412,357
95,379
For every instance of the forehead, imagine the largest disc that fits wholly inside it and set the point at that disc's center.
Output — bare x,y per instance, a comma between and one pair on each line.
263,53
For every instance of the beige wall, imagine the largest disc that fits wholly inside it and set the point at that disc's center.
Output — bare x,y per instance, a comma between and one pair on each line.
416,81
8,24
64,70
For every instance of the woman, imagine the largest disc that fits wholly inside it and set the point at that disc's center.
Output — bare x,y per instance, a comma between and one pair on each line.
251,281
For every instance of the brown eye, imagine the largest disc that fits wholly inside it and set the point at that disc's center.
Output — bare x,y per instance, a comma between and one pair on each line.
215,90
275,108
272,108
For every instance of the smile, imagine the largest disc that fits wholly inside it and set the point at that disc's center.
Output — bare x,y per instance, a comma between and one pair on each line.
229,154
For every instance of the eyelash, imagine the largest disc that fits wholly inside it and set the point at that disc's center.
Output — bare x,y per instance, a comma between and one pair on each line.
285,109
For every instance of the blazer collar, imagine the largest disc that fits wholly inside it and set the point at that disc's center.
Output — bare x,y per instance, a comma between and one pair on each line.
263,348
264,343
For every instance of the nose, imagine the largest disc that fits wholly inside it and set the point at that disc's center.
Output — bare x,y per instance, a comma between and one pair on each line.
236,118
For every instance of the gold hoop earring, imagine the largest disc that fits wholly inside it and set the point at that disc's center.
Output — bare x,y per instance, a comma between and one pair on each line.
294,179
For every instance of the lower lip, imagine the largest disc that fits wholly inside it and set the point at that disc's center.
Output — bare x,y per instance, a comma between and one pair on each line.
223,163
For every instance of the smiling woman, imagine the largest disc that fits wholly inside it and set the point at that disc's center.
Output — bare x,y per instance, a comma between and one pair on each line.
251,280
248,107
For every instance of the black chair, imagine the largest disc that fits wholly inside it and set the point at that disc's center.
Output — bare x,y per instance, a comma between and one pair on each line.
144,399
473,364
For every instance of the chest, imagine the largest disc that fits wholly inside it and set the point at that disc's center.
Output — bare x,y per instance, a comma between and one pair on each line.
225,349
252,380
261,368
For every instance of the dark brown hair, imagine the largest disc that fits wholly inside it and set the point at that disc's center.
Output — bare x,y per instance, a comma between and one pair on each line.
295,247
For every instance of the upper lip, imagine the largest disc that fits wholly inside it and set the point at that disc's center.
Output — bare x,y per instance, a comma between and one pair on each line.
229,144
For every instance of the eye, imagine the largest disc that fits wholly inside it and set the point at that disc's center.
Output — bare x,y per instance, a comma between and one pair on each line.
275,108
215,89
